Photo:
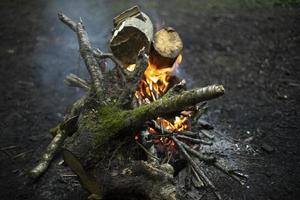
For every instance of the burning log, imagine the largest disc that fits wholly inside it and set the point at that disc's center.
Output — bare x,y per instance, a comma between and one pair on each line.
105,115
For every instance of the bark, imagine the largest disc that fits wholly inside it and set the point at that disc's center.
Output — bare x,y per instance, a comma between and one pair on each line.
133,31
167,46
100,125
73,80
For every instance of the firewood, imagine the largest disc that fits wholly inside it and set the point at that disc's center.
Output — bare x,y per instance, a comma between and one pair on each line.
133,30
167,46
103,114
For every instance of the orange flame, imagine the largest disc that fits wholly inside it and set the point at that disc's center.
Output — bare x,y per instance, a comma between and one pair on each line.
155,84
156,81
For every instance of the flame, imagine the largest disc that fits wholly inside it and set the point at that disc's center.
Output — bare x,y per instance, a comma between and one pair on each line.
155,84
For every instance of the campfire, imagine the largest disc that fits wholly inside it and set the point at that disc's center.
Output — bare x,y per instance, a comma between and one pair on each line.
153,85
138,106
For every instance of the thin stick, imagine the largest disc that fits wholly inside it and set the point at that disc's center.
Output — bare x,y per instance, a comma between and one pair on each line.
150,154
206,134
193,140
233,174
7,148
49,154
66,20
199,155
197,177
206,180
98,54
86,53
73,80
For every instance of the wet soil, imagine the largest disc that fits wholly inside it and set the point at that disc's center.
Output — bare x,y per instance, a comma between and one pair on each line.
253,48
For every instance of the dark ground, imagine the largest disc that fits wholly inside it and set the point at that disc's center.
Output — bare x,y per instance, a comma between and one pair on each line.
252,48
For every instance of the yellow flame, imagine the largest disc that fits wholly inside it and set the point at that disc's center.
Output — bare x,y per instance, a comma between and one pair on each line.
155,82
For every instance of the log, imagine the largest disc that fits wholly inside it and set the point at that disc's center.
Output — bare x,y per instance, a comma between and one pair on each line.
96,127
167,46
133,30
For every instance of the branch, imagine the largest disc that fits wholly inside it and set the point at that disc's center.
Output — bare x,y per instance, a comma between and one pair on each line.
73,80
86,53
141,66
60,133
193,140
204,178
89,59
166,105
134,77
66,20
121,69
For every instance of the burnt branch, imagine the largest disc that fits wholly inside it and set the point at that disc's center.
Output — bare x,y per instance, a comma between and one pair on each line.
133,78
191,161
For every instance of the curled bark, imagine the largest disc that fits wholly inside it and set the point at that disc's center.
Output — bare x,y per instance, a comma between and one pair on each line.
133,31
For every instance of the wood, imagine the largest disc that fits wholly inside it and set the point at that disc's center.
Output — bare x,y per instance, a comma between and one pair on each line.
96,128
131,12
73,80
102,119
133,31
167,46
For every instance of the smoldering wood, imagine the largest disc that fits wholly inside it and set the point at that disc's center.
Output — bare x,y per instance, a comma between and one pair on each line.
200,172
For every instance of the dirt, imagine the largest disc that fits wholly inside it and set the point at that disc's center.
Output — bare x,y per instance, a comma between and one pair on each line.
252,47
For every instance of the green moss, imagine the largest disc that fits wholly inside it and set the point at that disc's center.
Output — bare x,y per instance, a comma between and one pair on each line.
105,122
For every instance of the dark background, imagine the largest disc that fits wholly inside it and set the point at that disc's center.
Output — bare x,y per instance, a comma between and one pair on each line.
252,47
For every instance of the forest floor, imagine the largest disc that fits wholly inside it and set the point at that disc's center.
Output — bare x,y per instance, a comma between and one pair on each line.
251,48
